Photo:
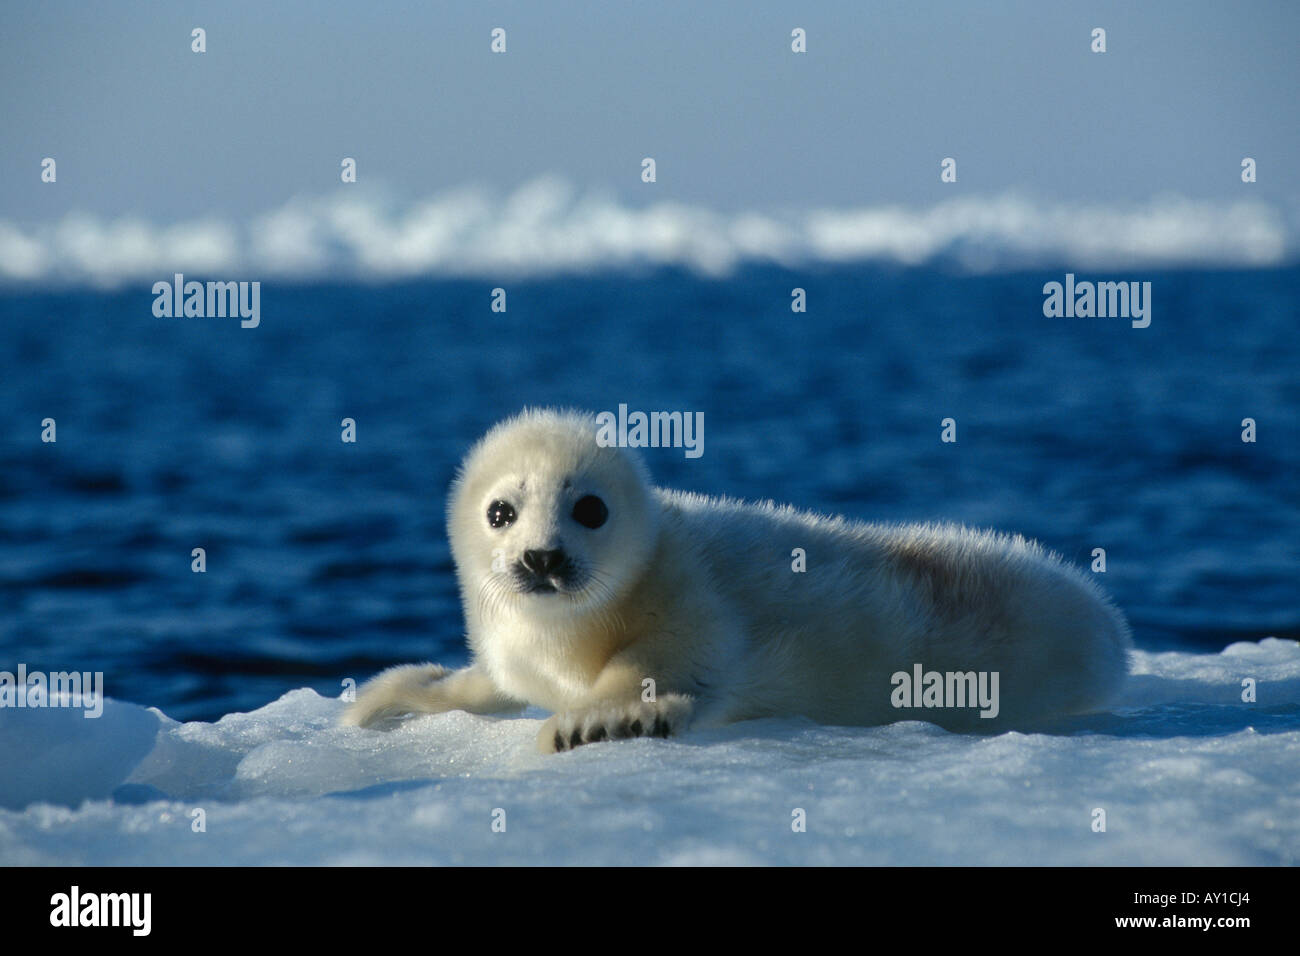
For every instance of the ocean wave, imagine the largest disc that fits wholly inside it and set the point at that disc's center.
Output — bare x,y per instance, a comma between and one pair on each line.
547,227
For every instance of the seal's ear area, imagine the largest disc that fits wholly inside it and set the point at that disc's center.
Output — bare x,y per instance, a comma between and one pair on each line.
639,467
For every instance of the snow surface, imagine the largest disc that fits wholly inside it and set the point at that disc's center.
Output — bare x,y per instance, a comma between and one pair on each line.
1186,772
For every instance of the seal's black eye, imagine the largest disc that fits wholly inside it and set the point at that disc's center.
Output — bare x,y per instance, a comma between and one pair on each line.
500,514
590,512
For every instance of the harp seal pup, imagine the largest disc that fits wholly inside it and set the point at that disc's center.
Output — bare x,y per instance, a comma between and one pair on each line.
582,584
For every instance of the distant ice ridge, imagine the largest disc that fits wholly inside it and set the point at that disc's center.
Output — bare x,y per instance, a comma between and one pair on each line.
545,227
1186,772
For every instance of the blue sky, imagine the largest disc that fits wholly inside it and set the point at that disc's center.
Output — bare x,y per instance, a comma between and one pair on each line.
140,125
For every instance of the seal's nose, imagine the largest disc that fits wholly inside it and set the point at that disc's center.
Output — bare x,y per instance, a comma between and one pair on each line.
543,563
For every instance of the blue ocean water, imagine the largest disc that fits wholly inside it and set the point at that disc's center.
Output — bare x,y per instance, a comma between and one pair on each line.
328,560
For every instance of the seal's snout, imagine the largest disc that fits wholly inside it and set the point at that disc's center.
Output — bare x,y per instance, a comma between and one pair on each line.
545,571
544,563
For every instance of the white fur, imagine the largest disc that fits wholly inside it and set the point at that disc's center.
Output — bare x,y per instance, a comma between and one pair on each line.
698,594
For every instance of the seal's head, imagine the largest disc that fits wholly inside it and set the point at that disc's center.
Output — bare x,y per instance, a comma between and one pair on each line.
545,522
